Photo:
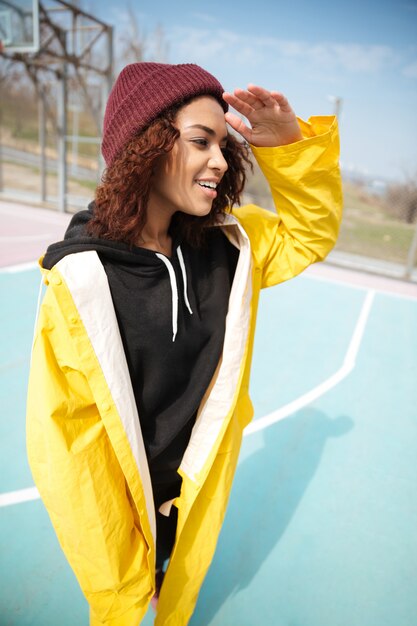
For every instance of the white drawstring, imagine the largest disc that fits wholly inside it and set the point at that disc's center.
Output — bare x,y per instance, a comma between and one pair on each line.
174,291
184,278
174,288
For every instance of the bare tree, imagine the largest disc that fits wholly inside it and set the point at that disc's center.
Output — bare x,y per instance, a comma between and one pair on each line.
161,47
131,43
134,45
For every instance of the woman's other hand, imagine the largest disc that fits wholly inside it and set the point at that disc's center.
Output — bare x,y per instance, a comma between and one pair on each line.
273,122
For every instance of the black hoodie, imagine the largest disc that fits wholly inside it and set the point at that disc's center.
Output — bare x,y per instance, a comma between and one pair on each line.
170,372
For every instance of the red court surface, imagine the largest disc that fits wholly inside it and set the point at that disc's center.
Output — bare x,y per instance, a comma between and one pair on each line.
25,232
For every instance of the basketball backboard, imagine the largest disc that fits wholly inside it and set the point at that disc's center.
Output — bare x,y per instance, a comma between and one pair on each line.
19,25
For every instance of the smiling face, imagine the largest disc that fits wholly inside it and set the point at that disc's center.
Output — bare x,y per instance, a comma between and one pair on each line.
186,178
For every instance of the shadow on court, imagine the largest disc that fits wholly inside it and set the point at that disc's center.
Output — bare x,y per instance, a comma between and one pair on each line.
268,489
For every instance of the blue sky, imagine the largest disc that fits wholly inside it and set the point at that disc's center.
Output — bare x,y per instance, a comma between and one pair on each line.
364,52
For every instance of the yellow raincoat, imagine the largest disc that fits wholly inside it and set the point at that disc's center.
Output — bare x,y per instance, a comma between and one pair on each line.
85,446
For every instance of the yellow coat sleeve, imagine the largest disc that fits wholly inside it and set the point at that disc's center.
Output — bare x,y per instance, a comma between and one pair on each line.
80,480
305,183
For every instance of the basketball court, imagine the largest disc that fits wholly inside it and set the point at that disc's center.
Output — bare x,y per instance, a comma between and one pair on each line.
320,530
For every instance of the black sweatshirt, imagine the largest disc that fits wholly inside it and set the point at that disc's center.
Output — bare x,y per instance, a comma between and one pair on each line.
169,375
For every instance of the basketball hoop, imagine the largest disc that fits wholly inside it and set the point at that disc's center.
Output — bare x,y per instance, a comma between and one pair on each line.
19,26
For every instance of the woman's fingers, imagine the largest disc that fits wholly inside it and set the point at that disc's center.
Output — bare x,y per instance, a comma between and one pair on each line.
281,100
249,98
238,125
255,98
238,103
263,96
271,118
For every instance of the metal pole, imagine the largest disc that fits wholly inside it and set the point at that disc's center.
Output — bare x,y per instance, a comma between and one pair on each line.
106,86
42,141
62,132
110,58
337,106
74,139
411,257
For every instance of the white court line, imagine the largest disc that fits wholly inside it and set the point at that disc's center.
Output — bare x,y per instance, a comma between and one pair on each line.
19,496
26,495
22,267
349,285
325,386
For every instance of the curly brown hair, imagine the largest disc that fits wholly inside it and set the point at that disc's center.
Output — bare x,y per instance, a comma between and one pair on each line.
122,197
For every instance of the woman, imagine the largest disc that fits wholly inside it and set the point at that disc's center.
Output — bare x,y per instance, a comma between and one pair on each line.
138,393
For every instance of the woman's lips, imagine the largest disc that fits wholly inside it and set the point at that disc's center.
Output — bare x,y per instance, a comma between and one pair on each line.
209,193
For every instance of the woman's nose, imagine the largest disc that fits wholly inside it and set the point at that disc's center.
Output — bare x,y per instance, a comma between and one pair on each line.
217,160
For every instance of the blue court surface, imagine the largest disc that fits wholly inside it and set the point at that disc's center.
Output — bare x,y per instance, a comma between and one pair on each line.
321,526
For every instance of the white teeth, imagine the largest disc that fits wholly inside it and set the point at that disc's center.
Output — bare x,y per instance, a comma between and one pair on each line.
207,183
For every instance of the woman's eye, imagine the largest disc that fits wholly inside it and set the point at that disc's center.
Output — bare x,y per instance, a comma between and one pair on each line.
201,142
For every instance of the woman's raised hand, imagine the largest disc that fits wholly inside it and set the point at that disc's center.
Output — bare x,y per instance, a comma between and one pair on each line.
272,120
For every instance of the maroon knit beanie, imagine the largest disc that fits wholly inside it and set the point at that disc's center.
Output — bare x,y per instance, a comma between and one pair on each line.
143,91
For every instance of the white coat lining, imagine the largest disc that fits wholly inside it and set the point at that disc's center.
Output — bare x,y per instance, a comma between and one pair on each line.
80,271
103,331
212,414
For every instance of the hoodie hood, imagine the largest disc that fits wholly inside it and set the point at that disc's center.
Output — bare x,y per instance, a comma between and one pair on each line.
77,239
146,264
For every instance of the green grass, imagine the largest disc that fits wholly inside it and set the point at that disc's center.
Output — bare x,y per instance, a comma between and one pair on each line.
88,184
28,134
387,240
31,168
368,229
357,199
90,150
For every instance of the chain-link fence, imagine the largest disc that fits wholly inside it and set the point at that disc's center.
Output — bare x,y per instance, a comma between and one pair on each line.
29,162
379,228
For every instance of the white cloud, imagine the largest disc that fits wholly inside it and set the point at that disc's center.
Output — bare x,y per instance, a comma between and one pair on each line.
364,58
328,55
204,44
196,44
